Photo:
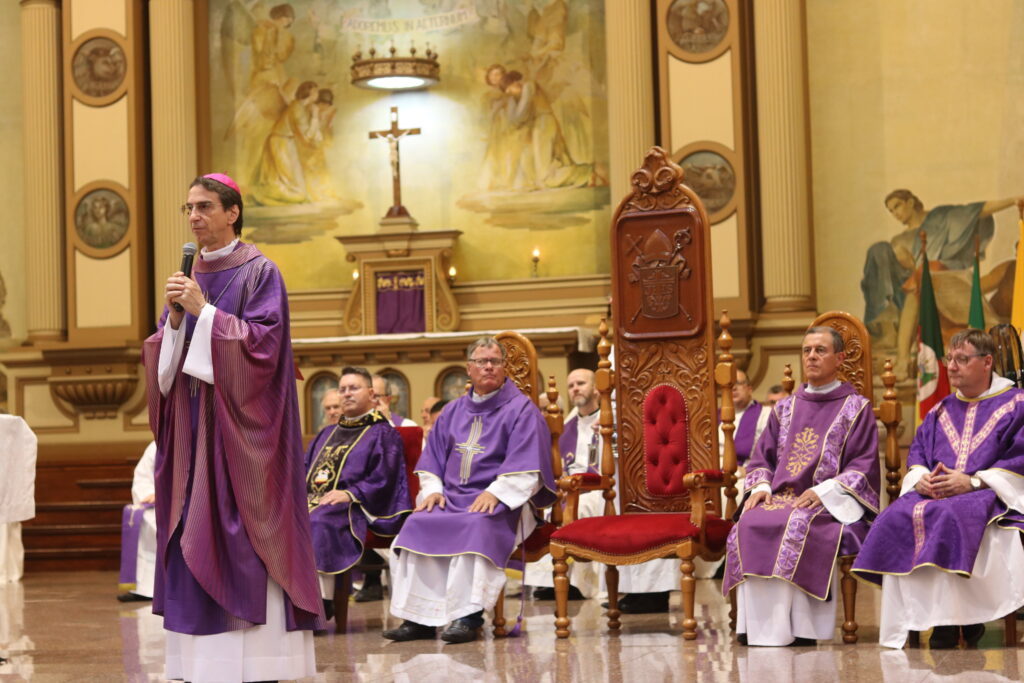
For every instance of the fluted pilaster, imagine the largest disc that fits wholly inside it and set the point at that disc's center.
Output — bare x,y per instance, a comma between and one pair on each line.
784,158
44,163
172,74
630,90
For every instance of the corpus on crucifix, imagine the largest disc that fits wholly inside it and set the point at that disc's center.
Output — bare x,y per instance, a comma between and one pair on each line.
392,135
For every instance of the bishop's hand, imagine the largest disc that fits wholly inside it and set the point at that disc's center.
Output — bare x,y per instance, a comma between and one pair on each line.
430,501
756,499
485,502
335,498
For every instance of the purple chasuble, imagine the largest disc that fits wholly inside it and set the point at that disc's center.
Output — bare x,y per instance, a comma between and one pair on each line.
567,445
131,525
469,447
745,432
809,439
969,435
230,495
365,457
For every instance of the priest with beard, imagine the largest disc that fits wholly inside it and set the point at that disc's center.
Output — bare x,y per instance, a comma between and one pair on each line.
484,474
355,480
811,488
947,551
235,577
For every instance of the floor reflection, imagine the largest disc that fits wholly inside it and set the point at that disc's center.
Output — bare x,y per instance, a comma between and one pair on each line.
69,627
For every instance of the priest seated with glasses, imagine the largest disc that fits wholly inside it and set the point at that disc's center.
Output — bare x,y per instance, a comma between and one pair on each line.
485,470
948,551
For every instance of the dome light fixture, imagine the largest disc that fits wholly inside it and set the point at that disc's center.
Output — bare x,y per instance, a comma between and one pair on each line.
393,72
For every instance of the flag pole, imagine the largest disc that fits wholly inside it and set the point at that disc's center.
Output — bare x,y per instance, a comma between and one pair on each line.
1017,311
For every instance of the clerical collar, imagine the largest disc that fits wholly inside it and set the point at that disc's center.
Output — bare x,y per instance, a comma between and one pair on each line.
997,386
831,386
480,398
581,416
218,253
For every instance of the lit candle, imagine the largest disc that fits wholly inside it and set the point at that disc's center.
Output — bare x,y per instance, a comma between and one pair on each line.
536,253
355,273
451,272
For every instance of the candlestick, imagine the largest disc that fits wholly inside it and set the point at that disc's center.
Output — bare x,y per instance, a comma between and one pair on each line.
536,262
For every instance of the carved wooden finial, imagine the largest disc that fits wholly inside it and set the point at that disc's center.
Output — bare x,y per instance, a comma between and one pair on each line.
787,379
604,347
725,339
656,184
552,394
889,380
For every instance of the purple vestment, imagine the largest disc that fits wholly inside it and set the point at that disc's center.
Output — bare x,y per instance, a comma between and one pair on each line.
810,438
230,499
969,435
131,525
746,430
470,445
365,457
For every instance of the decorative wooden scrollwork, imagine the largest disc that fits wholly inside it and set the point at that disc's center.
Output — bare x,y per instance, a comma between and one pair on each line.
856,367
520,362
656,184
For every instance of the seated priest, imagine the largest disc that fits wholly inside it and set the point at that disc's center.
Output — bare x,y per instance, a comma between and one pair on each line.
138,532
948,551
355,479
385,394
811,487
751,418
486,468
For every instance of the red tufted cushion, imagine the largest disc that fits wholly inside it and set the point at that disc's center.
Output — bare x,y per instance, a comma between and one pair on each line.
635,533
666,451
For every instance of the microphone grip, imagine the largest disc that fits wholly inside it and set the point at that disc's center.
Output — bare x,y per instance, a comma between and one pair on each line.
186,268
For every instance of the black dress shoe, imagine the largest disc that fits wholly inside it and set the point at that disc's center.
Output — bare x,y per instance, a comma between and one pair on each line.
741,639
644,603
132,597
803,642
459,631
973,633
549,593
410,630
369,593
944,637
328,609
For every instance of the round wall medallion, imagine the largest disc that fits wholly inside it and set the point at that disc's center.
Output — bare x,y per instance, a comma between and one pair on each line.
101,218
697,26
711,176
99,66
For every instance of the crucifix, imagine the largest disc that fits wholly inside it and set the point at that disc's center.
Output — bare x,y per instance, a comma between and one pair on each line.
392,135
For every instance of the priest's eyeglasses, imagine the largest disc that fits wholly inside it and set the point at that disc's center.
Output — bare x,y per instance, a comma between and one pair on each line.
962,358
484,362
204,208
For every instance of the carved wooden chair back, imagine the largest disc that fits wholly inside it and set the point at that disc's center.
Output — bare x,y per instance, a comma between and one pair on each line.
664,339
520,362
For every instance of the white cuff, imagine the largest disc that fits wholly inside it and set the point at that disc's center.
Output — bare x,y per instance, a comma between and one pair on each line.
170,354
911,478
199,361
843,507
429,483
515,489
1009,487
763,486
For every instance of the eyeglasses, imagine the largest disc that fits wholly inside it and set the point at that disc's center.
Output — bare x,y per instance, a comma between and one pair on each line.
351,388
204,208
484,362
962,358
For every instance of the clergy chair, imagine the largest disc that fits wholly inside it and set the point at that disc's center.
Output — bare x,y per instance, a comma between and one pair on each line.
665,382
857,369
521,368
412,442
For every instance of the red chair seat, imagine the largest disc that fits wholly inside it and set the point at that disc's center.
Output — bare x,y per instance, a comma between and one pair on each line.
635,533
539,538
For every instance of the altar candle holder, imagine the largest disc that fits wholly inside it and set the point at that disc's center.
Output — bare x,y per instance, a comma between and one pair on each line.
536,262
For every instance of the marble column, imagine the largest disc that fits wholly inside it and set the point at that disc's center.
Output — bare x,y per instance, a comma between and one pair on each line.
44,169
630,90
173,120
783,132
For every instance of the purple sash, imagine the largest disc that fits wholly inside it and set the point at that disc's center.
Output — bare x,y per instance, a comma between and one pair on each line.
131,524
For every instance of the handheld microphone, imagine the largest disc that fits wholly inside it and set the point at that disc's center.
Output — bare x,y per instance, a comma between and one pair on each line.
188,253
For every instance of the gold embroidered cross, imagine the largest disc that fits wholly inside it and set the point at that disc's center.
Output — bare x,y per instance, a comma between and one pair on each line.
470,448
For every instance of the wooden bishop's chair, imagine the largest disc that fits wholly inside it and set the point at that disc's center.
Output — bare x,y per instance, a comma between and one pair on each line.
857,369
665,382
521,368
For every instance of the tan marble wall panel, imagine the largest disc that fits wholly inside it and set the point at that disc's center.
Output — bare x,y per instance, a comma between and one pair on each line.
87,15
104,292
710,83
101,138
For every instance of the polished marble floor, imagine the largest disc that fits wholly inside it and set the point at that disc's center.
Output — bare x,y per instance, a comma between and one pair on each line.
68,627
